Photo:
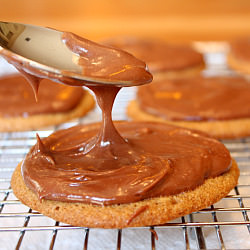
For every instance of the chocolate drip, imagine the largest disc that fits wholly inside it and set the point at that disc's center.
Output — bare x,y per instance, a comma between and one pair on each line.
108,137
33,81
137,213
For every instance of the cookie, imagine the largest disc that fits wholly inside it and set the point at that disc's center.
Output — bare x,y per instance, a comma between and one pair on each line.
56,103
163,59
238,57
61,180
218,106
143,213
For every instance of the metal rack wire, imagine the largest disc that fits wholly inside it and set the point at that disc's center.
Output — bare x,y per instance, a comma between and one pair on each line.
224,225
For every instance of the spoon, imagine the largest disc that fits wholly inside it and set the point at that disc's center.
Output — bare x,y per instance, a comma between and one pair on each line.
43,53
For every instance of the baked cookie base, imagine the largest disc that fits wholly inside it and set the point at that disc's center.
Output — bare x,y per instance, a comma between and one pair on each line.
177,74
153,211
227,129
38,121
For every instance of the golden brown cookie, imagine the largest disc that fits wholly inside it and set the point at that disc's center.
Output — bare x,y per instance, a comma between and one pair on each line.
218,106
147,212
238,57
164,60
56,103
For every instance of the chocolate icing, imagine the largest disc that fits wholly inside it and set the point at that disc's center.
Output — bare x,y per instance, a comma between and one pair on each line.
102,62
17,98
197,99
158,160
107,163
159,55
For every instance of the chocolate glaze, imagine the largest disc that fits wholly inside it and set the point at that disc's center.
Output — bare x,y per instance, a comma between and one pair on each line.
17,98
197,99
108,163
158,55
241,48
162,160
102,62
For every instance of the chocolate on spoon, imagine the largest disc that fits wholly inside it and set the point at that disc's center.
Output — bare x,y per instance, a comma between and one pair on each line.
67,58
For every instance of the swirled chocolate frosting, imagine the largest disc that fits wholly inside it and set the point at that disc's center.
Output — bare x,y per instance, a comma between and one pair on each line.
156,160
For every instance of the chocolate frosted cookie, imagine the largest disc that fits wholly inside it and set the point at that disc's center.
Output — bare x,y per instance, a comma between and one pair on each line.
163,59
61,180
56,103
115,175
216,105
238,57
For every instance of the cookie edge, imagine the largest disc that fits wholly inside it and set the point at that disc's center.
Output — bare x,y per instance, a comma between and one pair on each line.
226,129
14,124
153,211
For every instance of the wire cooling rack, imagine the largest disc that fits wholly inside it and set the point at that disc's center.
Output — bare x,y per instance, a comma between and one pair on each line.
224,225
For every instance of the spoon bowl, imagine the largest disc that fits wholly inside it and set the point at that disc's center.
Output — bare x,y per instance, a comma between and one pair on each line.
40,51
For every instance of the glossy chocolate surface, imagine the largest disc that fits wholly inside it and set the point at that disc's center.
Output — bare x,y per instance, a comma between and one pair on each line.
197,99
157,160
17,98
106,63
159,55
